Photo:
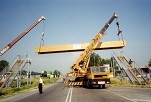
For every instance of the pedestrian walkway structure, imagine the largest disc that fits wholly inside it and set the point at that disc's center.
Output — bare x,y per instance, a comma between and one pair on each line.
8,75
132,70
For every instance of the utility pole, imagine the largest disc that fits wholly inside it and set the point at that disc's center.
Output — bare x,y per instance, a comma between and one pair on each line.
29,61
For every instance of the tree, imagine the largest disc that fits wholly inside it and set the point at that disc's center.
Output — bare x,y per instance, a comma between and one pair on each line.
96,60
44,74
105,61
149,63
56,73
23,72
3,64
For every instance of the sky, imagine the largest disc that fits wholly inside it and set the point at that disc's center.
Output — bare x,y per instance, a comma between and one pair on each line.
72,22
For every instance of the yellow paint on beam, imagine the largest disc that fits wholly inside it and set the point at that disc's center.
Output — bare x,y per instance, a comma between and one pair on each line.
79,47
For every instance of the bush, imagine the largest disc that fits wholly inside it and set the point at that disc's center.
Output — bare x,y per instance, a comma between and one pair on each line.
16,89
2,93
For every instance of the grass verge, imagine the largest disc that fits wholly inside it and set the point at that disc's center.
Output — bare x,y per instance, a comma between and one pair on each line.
125,82
6,92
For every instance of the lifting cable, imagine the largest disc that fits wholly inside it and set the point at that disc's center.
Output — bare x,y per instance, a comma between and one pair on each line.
119,32
42,36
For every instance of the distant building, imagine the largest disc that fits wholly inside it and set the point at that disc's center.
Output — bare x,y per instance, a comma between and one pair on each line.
35,74
146,70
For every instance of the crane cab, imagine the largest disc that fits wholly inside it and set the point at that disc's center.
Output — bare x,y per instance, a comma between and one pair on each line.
97,75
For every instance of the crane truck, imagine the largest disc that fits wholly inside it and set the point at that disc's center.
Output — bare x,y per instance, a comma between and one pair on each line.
9,46
87,76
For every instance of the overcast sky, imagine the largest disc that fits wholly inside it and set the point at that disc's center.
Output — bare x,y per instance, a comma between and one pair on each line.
71,22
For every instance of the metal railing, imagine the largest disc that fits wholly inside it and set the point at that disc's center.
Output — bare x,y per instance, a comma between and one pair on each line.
122,67
130,69
137,70
16,66
8,69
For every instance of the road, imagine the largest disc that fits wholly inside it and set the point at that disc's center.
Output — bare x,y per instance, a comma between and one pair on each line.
60,93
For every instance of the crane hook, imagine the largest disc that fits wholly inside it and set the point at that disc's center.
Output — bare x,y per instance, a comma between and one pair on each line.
119,31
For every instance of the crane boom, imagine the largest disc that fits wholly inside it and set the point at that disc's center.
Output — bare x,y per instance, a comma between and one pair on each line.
86,53
20,36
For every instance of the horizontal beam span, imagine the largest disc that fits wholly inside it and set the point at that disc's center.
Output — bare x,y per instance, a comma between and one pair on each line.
79,47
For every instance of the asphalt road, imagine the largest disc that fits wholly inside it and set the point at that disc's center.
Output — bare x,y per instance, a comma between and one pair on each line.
60,93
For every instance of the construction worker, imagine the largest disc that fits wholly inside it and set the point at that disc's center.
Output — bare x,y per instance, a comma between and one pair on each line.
130,61
40,85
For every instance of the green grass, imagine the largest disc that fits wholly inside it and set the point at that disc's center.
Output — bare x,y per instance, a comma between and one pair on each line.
120,82
6,92
125,82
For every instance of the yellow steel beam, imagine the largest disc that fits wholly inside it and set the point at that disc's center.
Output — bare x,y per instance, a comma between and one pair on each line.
79,47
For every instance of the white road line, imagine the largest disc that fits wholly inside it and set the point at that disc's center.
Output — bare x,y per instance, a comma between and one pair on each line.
122,96
69,95
141,100
133,100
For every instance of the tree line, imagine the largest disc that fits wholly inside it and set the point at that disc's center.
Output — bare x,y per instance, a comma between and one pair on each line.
95,60
5,64
55,73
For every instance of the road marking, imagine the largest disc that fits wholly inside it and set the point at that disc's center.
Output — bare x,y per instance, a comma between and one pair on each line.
138,100
69,95
133,100
122,96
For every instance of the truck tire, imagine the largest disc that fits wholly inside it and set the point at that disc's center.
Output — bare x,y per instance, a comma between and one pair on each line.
103,86
84,83
88,84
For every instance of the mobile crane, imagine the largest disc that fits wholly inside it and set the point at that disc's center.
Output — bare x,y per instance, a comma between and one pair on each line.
91,75
6,48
